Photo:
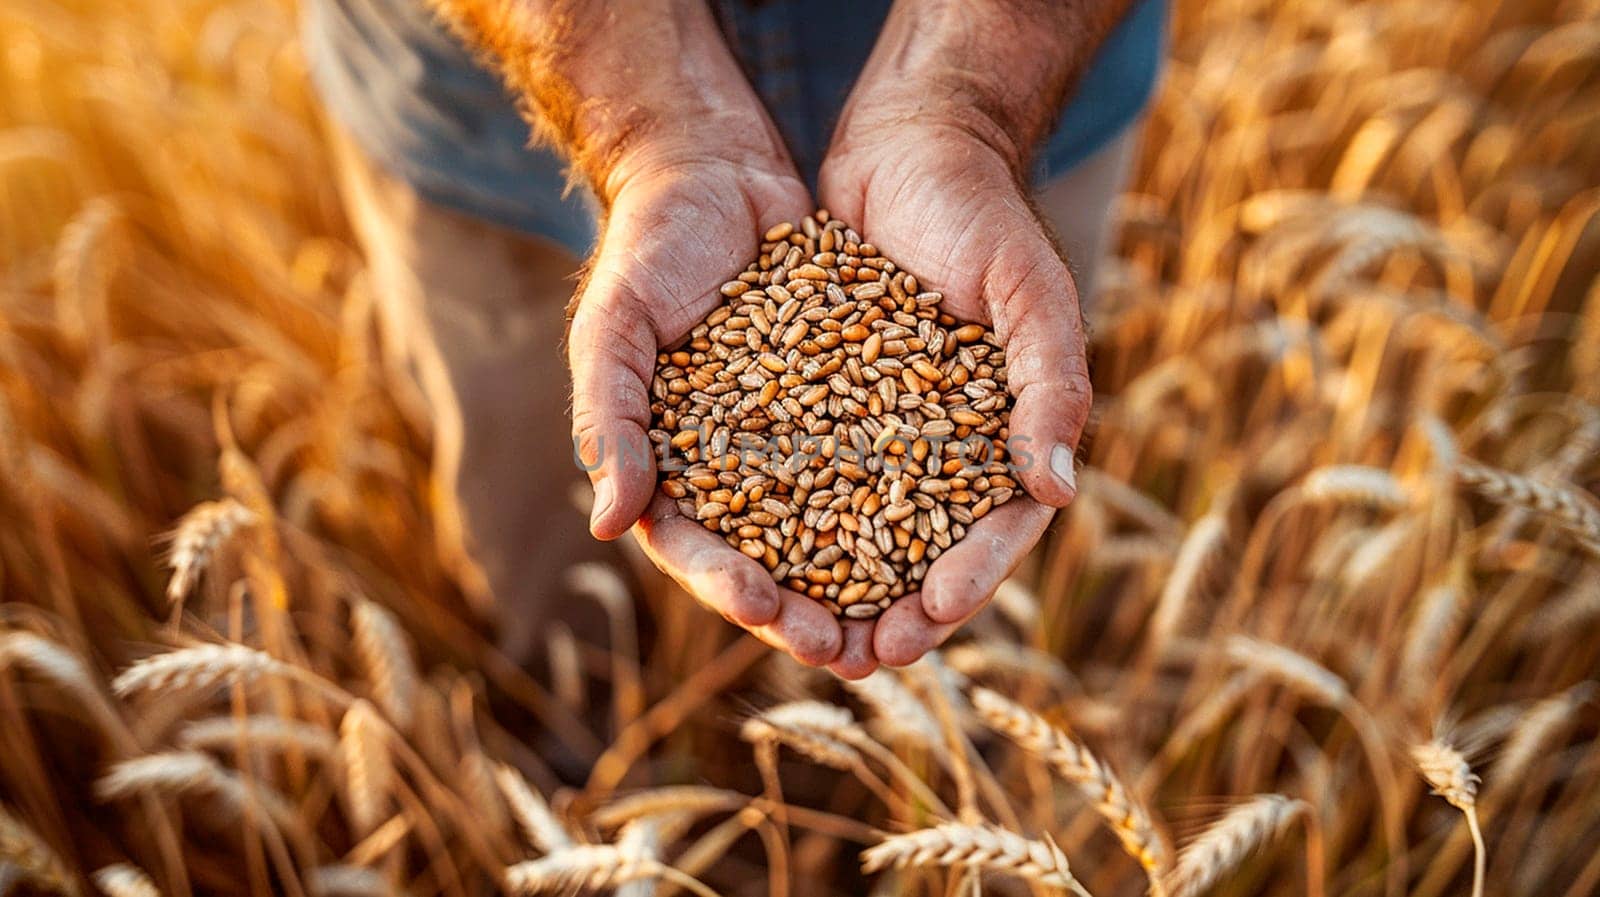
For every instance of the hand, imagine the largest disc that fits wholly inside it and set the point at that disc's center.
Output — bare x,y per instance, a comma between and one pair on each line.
948,205
680,224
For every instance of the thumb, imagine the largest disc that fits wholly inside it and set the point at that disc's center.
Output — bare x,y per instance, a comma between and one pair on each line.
611,348
1035,308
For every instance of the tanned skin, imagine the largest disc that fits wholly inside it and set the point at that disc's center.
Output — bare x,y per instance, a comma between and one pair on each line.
930,158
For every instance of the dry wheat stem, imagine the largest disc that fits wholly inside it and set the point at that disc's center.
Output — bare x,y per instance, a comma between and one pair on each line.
1074,762
977,847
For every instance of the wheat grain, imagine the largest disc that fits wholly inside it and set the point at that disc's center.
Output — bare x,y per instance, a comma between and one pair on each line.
1222,846
823,416
1074,762
978,847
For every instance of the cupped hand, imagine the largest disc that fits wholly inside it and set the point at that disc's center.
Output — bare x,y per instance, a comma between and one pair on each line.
677,225
945,199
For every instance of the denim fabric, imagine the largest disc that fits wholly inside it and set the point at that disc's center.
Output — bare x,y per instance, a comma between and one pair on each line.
422,107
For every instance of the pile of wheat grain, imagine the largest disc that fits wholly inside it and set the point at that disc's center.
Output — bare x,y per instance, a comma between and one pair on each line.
1324,619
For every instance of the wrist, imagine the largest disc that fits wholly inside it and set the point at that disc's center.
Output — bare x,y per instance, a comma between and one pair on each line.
999,72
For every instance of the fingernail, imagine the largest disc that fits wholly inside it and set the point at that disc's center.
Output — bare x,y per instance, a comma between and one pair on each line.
1061,465
604,495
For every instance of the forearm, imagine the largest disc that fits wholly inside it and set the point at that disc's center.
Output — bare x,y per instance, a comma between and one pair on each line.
1001,70
616,87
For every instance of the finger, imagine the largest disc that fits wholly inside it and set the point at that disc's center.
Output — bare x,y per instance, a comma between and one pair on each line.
856,660
905,632
611,349
719,577
963,578
737,587
1034,305
804,630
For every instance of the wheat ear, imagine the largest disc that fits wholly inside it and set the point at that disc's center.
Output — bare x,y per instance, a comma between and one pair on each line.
540,825
21,846
386,659
978,847
1223,845
1073,761
593,866
206,666
1563,506
1355,484
343,880
694,800
223,733
125,880
1446,771
199,536
368,766
183,772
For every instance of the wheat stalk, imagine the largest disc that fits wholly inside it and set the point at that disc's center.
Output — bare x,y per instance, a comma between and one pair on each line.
202,532
124,880
977,847
1222,846
387,659
1446,771
1074,762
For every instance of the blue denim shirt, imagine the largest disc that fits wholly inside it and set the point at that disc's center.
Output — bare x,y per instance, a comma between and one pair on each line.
421,106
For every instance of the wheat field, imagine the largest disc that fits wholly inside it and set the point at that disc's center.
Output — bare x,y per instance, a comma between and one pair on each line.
1324,620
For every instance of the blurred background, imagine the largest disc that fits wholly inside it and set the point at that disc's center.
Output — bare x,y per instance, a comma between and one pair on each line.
1336,557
